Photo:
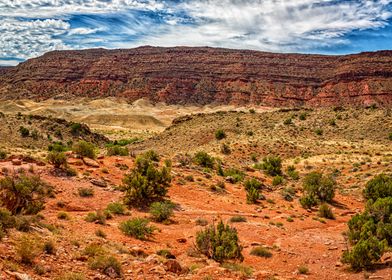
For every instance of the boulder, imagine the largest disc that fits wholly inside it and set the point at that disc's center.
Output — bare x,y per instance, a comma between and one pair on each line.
90,162
173,266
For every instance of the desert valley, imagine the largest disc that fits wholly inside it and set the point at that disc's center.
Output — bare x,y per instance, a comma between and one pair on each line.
196,163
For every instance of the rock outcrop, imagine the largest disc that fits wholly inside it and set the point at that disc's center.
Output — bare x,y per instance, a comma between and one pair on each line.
185,75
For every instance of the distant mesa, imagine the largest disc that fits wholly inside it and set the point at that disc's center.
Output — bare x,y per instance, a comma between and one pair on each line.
201,76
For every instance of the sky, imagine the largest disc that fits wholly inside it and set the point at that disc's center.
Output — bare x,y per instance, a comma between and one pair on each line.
29,28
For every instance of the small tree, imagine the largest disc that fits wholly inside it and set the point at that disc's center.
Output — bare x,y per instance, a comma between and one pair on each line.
161,211
57,159
85,149
145,183
23,194
137,228
317,188
203,159
220,134
378,187
219,243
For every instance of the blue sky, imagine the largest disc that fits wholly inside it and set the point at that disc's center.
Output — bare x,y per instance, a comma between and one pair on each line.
29,28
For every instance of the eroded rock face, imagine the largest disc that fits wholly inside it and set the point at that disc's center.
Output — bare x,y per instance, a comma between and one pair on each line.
204,75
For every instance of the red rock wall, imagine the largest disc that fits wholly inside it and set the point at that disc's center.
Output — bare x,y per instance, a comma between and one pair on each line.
203,76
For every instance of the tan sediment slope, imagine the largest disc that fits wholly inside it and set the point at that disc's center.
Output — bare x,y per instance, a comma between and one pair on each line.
109,113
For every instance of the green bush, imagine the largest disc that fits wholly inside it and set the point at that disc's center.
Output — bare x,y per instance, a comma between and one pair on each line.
98,217
24,132
225,149
293,174
28,249
71,276
220,134
85,149
151,155
370,233
303,116
378,187
235,174
57,159
288,193
365,253
272,165
317,188
86,192
219,243
252,188
325,211
161,211
23,194
145,183
319,131
116,208
288,121
261,252
204,160
253,183
137,228
76,129
117,151
57,147
238,219
390,136
277,180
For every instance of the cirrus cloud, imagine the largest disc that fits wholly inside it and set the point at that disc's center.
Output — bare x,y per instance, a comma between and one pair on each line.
30,28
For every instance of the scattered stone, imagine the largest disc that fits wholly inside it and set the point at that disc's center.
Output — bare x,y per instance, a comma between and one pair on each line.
90,162
181,240
99,183
153,259
173,266
159,269
16,161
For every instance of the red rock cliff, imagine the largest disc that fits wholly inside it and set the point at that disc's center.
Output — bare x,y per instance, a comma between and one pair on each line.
186,75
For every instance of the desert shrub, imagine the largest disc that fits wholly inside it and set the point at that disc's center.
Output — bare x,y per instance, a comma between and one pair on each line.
325,211
161,211
302,116
145,183
27,248
225,149
365,253
370,233
49,247
24,132
117,151
378,187
277,180
57,159
22,194
303,269
220,134
288,121
318,131
219,243
100,233
98,217
85,192
252,111
253,183
261,252
272,165
243,270
204,160
3,154
151,155
238,219
201,222
122,142
390,136
252,195
57,147
76,129
109,265
116,208
84,149
137,228
288,193
317,188
93,250
292,173
63,216
235,175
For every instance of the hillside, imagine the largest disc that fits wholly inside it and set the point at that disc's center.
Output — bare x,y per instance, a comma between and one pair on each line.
200,76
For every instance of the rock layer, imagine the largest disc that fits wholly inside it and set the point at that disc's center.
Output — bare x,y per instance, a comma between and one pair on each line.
185,75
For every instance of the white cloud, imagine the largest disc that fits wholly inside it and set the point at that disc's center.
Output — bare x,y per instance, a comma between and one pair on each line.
30,28
274,25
